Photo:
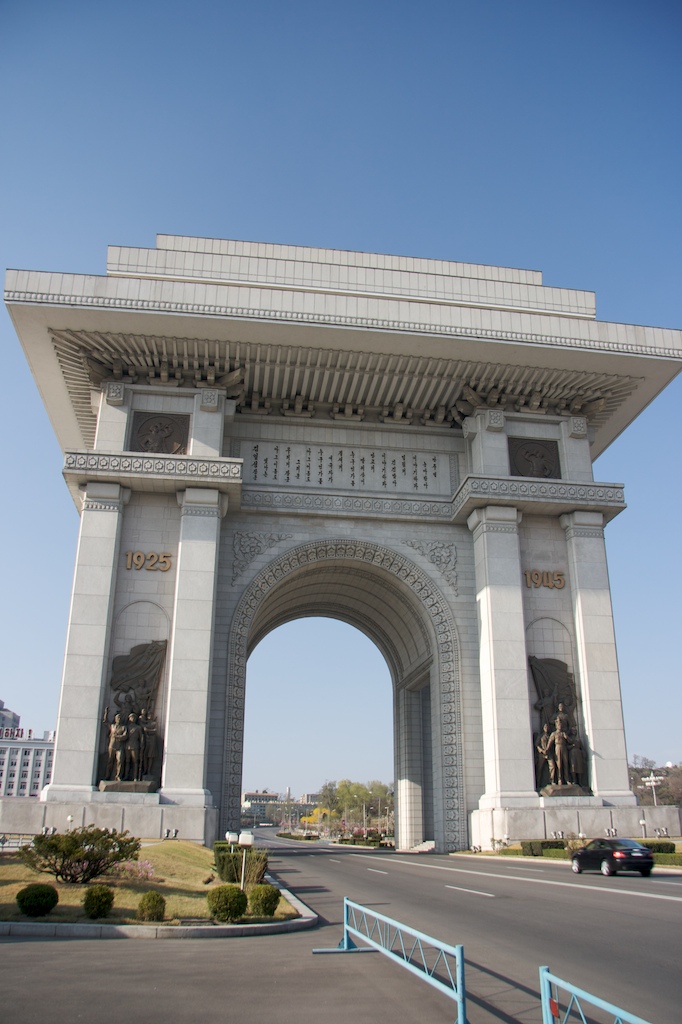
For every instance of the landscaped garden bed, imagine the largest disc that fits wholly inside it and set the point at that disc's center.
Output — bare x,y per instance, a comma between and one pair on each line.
183,873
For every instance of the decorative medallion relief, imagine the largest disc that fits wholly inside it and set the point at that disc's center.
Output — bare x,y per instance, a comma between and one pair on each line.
155,432
247,546
531,457
443,556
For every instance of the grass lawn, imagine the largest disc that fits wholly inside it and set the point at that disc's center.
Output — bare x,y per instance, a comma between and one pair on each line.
182,872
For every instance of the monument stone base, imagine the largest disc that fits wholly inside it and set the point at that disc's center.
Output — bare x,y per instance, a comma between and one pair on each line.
145,786
141,814
570,815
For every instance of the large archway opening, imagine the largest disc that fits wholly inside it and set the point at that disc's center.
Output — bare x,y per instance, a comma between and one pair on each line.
398,607
318,708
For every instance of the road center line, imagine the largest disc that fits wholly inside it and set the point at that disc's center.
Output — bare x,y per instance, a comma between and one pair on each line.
477,892
376,871
542,881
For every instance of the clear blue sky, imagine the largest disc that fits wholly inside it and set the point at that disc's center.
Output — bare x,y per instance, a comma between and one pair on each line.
521,133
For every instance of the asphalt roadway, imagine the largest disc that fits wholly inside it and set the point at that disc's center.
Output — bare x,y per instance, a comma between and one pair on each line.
618,938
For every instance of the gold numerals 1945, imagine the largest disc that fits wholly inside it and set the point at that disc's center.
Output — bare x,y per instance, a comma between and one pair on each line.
542,578
149,560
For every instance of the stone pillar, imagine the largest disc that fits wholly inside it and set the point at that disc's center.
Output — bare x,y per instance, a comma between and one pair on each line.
408,793
87,645
597,659
507,738
184,760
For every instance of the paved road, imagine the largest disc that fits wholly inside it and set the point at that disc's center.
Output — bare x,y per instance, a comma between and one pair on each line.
616,937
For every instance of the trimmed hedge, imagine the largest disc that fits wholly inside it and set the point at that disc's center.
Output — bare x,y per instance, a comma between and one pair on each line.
537,847
37,899
152,907
263,900
659,845
227,902
229,865
98,901
673,859
557,854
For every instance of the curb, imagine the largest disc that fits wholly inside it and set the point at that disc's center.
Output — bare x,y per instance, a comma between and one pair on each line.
46,930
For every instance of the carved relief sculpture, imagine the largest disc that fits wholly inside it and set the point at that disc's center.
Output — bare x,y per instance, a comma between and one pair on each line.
133,743
559,753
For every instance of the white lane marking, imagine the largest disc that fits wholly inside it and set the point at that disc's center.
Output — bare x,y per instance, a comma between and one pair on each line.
541,881
376,871
478,892
332,861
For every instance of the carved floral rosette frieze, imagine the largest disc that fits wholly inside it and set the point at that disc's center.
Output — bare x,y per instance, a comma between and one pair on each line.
443,556
154,465
447,654
247,546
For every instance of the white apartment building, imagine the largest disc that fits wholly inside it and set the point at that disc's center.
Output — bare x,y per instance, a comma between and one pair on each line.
25,762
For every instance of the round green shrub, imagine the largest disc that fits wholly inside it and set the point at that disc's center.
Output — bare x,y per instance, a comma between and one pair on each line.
37,899
98,901
263,900
152,907
227,902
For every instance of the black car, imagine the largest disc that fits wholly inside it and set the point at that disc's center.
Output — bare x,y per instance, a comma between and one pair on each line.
612,855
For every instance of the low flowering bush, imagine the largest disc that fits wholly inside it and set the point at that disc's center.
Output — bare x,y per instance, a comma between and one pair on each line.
137,871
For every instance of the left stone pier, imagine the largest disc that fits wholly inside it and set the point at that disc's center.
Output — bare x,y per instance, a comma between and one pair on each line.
87,644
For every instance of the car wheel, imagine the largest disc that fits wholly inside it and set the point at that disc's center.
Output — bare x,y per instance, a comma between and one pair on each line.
645,872
607,868
575,867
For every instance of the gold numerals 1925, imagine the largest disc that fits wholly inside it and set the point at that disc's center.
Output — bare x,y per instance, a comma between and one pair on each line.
542,578
149,560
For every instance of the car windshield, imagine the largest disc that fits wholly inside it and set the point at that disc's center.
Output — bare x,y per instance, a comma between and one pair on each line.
628,844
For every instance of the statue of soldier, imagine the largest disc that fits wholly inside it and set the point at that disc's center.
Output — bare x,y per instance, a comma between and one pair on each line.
576,759
545,767
118,734
149,728
558,744
133,749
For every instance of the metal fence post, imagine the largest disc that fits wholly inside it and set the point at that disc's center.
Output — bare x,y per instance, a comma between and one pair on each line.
461,990
545,995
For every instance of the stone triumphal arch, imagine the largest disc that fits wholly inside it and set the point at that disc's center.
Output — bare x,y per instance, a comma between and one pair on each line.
253,433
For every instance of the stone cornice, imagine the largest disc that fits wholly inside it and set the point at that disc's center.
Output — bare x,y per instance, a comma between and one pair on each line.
321,503
165,473
536,497
337,319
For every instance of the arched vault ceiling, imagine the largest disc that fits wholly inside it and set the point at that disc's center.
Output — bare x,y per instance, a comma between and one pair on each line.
435,389
365,598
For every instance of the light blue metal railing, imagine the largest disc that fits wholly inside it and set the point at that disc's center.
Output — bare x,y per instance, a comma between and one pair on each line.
436,962
554,992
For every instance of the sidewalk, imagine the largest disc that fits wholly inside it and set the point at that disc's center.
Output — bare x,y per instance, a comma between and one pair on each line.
248,980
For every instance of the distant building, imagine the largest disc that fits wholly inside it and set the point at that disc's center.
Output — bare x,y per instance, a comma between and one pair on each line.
25,762
311,798
8,719
261,806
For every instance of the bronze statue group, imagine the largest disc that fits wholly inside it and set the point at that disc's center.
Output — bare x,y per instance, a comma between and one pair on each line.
132,746
560,760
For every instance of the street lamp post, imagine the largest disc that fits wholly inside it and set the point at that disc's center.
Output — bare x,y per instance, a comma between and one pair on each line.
245,841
